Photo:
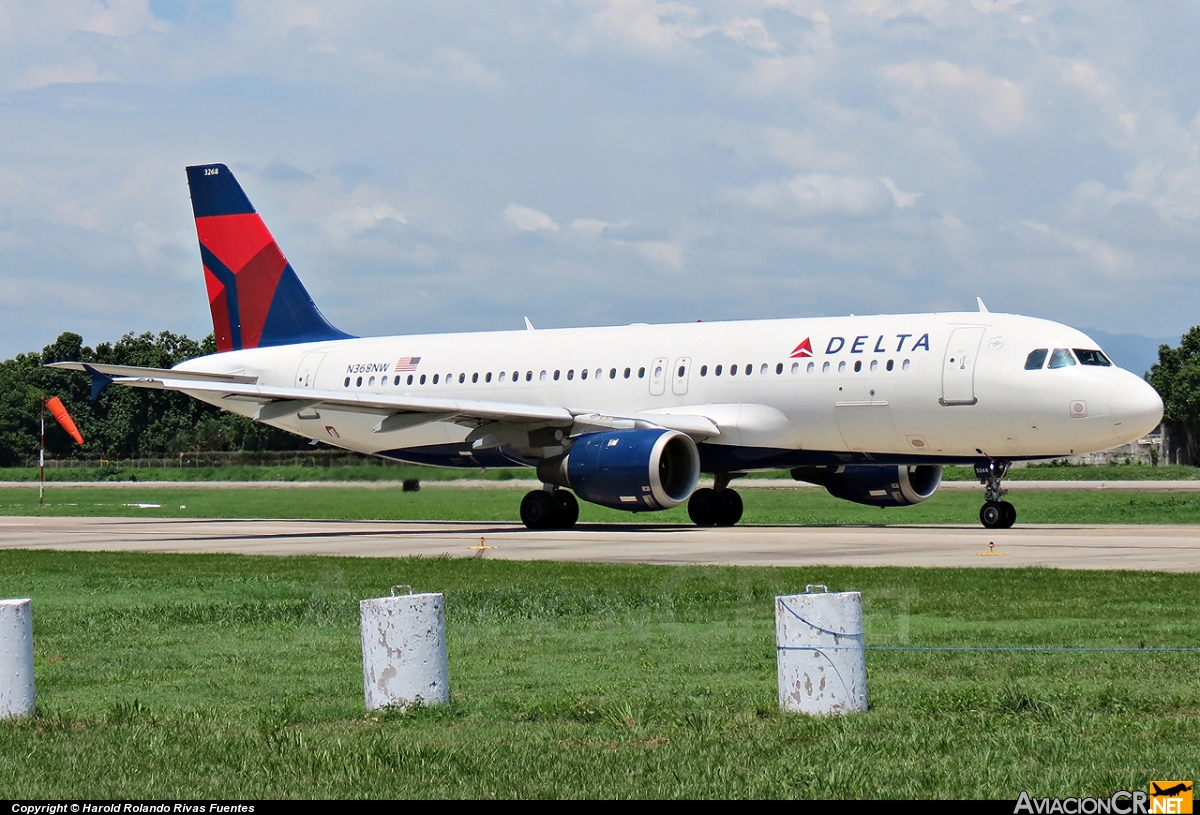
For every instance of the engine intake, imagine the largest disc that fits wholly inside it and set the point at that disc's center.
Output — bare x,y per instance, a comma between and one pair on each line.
877,485
635,470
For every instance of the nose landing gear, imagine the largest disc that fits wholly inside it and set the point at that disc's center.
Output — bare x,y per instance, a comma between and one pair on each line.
995,513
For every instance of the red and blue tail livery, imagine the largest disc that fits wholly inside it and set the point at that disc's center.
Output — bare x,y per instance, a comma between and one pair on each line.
257,301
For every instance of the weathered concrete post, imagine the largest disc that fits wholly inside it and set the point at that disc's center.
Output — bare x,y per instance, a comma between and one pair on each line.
819,642
404,650
16,658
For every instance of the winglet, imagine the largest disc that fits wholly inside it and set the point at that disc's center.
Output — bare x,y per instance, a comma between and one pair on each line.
99,381
982,307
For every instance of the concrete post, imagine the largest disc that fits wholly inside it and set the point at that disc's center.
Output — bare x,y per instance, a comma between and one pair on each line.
819,642
16,658
404,650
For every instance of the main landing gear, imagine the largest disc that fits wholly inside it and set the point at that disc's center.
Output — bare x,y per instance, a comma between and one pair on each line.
996,513
715,507
549,508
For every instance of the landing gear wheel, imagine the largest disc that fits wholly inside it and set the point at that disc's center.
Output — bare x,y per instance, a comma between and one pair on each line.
1010,515
993,515
568,509
996,512
704,507
539,510
731,508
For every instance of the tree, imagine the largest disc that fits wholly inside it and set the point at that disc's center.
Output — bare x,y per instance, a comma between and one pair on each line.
123,422
1176,377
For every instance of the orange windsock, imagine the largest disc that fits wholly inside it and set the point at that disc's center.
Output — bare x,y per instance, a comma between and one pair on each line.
60,412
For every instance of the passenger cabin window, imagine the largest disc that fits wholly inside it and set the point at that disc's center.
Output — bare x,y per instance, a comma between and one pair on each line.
717,371
1061,358
1036,359
641,373
703,370
1087,357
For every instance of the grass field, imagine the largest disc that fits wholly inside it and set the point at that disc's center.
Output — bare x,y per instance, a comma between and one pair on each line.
183,676
763,505
387,471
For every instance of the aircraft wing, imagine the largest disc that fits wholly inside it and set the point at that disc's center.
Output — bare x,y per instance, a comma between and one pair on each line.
396,412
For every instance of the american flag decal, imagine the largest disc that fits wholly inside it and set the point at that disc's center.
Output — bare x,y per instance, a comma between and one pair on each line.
407,364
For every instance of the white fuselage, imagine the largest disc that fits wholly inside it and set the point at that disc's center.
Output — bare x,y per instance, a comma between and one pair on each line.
916,387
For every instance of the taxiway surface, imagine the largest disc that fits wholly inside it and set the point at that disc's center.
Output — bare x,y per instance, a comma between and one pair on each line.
1157,548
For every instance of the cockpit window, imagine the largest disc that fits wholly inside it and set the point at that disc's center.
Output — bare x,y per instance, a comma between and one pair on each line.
1087,357
1061,358
1036,359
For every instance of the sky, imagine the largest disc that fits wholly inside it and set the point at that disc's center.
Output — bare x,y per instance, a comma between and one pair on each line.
456,166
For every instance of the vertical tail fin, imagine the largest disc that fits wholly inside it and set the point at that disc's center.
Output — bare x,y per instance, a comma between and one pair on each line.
256,299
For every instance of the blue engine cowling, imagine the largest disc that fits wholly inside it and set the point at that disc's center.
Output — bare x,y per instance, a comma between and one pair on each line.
876,484
635,470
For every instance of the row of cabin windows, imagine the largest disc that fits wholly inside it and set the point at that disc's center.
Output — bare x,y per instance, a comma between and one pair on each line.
502,377
627,373
874,366
1062,358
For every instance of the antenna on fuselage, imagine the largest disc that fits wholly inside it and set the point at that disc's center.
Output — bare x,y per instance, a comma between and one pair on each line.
982,307
528,325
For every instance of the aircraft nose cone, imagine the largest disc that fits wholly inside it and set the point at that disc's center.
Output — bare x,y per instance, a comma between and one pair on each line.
1135,408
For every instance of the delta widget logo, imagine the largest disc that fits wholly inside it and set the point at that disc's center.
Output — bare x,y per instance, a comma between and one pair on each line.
802,350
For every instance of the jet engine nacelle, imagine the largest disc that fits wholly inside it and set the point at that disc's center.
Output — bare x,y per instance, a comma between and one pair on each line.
635,470
878,485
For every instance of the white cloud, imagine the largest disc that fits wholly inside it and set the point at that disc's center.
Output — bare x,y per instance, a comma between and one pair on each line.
1109,259
528,220
45,75
594,227
903,200
811,194
929,86
663,253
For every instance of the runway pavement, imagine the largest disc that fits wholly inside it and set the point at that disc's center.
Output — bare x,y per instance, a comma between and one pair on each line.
1158,548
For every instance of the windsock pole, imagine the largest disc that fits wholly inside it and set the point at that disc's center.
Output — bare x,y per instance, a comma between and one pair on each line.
42,459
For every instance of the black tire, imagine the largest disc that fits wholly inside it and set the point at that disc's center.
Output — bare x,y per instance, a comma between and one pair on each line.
992,515
731,508
1010,514
539,510
568,509
704,507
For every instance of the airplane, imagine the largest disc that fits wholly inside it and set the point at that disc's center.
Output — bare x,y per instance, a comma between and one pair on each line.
1170,792
628,417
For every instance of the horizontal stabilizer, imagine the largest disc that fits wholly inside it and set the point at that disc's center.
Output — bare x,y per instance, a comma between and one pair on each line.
135,372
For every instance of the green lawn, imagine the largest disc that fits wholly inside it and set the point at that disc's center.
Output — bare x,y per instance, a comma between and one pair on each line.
185,676
380,470
763,505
